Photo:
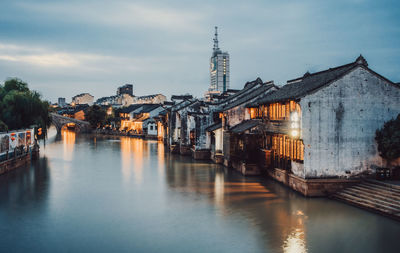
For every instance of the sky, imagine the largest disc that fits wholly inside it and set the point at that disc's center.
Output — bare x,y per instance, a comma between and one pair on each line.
63,48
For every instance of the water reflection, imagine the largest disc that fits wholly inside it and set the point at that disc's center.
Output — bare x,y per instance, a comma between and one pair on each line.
132,158
24,190
143,199
68,137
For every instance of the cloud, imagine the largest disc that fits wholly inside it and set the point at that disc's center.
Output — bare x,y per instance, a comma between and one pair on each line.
121,14
68,47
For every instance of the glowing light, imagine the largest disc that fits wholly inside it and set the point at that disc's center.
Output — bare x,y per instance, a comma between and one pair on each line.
294,116
294,133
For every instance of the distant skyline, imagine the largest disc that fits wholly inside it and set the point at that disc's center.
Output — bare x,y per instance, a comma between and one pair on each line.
63,48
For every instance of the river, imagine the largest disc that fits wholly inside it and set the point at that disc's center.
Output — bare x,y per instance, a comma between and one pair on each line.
120,194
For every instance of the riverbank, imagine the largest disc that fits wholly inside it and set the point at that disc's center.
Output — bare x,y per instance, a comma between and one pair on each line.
106,132
18,159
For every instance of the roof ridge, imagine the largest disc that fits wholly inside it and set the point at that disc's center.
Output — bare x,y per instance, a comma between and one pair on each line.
308,74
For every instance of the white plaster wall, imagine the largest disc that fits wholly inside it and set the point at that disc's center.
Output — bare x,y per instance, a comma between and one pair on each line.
151,129
218,139
339,124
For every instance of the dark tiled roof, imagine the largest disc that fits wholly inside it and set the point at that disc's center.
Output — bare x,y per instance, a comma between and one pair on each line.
248,86
214,127
163,113
149,96
149,107
181,97
168,103
130,108
245,125
248,97
182,105
308,83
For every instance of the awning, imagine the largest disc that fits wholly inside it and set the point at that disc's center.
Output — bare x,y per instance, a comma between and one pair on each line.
214,127
245,125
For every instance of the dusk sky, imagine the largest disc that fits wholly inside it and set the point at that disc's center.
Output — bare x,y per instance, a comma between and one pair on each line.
63,48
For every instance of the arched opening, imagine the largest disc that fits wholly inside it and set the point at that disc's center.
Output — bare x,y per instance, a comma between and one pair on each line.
71,127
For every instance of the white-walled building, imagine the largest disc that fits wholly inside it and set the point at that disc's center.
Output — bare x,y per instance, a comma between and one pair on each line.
322,125
83,98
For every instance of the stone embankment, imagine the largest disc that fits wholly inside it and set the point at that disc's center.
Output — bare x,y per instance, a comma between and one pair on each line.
376,196
18,159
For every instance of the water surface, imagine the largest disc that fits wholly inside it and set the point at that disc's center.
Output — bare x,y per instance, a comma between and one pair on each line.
102,194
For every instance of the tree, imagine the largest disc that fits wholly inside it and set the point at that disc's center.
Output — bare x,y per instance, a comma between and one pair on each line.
388,139
3,127
21,107
96,116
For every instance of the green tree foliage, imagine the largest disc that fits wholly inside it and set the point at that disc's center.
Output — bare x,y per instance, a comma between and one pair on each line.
3,127
388,139
96,116
21,107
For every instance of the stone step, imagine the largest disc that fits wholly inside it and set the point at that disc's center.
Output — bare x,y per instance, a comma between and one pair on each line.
378,190
381,187
383,194
388,185
378,200
367,204
394,186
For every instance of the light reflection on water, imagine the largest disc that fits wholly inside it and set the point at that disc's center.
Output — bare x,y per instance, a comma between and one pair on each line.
101,194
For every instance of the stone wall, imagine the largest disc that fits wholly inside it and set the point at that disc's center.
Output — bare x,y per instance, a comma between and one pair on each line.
339,123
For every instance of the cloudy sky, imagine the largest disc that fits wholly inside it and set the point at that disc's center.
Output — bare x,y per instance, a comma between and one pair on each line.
62,48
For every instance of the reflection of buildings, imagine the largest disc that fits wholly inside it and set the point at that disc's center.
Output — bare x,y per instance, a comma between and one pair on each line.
26,187
278,214
132,158
69,144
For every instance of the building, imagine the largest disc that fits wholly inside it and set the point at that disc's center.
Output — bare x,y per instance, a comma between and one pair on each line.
77,112
219,69
150,99
319,129
139,118
61,102
126,89
83,98
234,135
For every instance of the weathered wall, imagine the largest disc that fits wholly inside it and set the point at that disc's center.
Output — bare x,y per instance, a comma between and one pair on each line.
201,123
339,124
219,141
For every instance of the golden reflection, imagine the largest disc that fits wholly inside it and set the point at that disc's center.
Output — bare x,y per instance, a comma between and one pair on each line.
219,188
295,242
68,143
161,159
132,158
126,158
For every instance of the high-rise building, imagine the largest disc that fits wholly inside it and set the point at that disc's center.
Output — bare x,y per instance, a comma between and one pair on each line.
61,102
126,89
219,68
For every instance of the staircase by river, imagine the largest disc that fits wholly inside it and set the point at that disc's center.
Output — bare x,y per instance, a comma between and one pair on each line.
373,195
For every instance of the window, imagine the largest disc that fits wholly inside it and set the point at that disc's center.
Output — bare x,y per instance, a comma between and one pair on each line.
281,111
288,148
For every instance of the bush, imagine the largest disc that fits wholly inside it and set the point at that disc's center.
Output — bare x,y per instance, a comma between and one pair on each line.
388,139
21,107
3,127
